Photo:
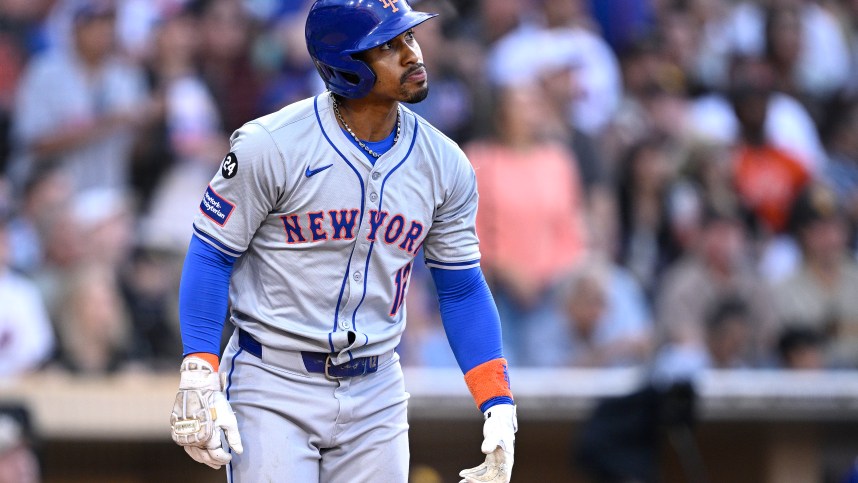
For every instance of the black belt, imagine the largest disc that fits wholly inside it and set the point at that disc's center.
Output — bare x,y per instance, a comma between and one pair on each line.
317,362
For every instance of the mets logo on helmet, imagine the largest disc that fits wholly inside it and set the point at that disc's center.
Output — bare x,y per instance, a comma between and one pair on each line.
389,3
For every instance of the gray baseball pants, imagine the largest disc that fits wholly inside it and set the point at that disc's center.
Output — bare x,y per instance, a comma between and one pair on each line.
301,427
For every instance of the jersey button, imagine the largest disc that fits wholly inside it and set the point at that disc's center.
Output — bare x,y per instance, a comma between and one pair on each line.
376,175
344,325
373,197
357,276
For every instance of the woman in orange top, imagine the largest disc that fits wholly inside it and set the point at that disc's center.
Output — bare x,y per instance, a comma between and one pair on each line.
531,217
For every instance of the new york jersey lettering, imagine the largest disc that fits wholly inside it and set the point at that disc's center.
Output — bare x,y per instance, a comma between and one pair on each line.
341,224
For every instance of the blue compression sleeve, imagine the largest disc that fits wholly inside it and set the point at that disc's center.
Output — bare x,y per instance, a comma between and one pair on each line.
204,297
470,320
469,315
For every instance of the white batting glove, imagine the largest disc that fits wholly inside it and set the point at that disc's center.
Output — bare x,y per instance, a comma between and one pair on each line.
201,414
498,444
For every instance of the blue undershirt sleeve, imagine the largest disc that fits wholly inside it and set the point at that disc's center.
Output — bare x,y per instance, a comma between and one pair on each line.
469,315
204,297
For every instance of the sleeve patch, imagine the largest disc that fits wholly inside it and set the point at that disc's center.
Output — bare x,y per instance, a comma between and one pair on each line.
229,166
216,207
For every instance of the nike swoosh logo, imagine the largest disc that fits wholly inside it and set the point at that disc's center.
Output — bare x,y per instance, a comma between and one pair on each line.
313,172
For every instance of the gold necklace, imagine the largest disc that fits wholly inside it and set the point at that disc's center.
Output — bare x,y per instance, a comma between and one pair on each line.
357,140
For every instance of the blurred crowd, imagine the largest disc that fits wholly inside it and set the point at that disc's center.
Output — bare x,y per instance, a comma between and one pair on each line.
671,183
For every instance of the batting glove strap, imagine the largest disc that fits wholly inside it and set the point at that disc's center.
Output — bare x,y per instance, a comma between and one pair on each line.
499,428
197,373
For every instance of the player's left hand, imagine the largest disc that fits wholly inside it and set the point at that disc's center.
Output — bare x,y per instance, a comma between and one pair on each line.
498,444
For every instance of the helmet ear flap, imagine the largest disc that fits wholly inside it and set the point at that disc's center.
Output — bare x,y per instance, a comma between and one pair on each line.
352,83
326,71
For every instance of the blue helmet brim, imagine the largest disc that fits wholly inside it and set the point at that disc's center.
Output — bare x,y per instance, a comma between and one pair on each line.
389,29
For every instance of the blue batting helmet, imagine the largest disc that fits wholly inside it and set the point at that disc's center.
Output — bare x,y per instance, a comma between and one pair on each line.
336,29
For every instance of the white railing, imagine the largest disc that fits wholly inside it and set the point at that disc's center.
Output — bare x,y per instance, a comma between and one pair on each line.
137,406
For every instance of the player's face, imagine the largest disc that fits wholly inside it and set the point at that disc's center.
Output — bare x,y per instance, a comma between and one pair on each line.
399,70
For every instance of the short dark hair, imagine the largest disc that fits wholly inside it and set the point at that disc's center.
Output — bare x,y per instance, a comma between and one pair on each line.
795,338
724,309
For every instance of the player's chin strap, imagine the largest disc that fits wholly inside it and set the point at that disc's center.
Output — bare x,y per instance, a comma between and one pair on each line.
201,413
498,445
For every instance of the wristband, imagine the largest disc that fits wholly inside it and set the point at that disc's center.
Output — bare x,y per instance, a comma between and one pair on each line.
489,380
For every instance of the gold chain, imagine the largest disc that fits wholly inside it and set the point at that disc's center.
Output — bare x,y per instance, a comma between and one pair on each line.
357,140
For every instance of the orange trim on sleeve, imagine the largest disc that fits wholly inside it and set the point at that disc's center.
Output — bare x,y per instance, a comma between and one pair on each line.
487,380
208,357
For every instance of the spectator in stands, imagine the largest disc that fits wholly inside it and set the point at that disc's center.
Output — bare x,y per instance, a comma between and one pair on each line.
186,124
787,124
707,168
189,143
225,30
729,332
531,217
801,348
657,82
17,26
80,108
562,31
93,327
63,249
841,172
602,321
642,66
716,269
822,64
820,295
47,192
103,218
149,283
26,336
646,243
766,177
679,34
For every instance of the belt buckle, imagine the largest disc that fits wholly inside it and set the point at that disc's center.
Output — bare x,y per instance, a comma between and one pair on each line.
328,374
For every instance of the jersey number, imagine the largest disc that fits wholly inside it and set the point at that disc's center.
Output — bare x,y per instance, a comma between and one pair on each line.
401,281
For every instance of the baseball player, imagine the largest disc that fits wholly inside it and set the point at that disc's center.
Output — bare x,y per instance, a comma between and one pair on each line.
308,234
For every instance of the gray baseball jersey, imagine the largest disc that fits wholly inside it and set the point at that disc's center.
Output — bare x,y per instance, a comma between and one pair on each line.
327,239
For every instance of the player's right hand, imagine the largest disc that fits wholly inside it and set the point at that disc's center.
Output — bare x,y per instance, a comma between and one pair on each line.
201,414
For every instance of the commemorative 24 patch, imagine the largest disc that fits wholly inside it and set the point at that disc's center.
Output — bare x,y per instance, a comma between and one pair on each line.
229,166
216,207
